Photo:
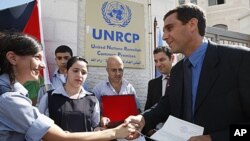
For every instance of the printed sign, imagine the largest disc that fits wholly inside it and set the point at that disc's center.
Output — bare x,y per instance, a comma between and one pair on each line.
115,28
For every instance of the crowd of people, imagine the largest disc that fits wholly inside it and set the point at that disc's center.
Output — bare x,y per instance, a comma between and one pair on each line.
212,91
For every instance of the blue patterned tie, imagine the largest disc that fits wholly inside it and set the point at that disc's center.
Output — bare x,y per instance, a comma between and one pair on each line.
187,101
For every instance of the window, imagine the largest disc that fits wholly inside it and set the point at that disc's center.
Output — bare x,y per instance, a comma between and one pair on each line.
181,2
193,1
215,2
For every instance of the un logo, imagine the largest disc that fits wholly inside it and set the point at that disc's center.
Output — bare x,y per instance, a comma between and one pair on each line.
116,13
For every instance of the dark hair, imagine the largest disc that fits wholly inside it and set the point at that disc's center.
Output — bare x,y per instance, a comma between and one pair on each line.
73,59
64,49
163,49
21,44
186,12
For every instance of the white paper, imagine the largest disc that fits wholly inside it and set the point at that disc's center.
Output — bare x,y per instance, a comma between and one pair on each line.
175,129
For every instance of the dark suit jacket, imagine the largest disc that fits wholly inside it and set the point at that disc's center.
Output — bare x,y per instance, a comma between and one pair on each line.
223,93
154,92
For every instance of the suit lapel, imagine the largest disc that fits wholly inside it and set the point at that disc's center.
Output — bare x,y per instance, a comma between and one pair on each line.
209,73
158,90
176,87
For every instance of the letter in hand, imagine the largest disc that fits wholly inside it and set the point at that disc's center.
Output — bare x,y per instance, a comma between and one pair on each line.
137,122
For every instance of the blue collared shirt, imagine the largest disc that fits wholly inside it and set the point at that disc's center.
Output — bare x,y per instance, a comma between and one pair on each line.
57,79
19,120
196,60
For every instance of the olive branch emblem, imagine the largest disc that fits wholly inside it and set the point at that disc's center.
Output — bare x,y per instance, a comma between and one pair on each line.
107,18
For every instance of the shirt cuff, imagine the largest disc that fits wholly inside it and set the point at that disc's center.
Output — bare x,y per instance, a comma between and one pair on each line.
39,128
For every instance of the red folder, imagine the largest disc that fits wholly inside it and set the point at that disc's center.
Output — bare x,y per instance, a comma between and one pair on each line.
118,107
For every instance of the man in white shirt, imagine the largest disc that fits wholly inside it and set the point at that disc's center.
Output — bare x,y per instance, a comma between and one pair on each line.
115,84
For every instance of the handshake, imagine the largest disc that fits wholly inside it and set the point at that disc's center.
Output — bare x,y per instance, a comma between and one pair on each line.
130,129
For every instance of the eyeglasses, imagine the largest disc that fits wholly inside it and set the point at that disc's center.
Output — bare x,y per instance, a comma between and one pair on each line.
120,70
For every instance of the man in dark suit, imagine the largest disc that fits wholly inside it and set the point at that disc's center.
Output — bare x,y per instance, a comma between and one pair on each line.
163,59
220,79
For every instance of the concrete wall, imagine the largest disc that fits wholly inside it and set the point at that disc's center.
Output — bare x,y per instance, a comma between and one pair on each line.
160,8
59,20
233,13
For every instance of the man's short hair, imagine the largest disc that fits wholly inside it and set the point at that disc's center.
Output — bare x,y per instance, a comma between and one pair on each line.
64,49
163,49
186,12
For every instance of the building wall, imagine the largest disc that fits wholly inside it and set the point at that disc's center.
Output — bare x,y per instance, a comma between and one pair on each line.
234,13
160,8
59,20
231,13
64,23
245,24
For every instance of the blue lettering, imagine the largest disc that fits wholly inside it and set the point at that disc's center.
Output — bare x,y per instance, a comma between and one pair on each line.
126,37
135,37
110,35
94,34
119,36
115,36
